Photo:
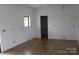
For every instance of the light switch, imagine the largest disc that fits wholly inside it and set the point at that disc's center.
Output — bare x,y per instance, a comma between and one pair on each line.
53,25
73,25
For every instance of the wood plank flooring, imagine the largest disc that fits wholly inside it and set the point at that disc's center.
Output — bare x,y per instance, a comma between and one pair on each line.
38,46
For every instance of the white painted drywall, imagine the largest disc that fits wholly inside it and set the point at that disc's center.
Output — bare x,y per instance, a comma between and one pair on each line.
12,20
0,40
77,16
60,22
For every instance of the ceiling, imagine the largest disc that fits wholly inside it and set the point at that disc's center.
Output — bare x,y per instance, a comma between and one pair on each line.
36,5
44,5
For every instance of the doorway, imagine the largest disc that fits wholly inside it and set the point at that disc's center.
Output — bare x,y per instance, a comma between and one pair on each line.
0,49
0,45
44,27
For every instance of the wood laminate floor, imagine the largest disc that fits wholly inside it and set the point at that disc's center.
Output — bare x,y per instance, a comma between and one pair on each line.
38,46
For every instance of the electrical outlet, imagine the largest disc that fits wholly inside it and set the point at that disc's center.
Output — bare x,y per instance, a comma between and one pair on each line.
13,41
63,37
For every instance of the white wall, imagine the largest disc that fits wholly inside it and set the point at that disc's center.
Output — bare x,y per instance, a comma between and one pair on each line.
0,40
60,22
77,16
11,19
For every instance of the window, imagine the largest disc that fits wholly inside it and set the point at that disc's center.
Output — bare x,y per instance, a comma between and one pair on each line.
27,21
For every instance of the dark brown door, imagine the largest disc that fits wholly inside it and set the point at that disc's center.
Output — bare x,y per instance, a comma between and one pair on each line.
44,26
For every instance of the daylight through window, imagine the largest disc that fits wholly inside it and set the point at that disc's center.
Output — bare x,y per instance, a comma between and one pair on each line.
27,21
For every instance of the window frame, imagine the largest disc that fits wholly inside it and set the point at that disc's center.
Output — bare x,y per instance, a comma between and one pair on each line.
28,21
